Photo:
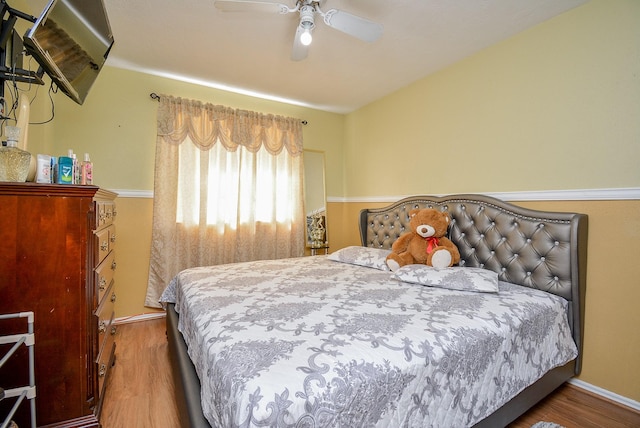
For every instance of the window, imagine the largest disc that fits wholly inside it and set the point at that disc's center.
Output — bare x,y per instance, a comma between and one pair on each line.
227,188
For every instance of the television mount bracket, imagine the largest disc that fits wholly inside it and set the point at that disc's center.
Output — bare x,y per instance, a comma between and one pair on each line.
11,72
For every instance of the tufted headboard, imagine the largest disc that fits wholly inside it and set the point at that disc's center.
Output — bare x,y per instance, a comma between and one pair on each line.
538,249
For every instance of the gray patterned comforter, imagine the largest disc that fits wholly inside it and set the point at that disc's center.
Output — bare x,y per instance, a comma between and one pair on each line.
310,342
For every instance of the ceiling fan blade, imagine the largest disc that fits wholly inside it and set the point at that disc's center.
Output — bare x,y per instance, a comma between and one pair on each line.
251,6
353,25
299,51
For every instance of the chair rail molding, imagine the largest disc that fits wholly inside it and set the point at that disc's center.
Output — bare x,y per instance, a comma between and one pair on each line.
613,194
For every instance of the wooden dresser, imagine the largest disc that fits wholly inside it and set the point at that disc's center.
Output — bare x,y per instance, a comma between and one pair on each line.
57,259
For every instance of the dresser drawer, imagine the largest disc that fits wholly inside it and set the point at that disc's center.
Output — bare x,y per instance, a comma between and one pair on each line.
103,275
105,242
112,237
106,335
105,212
109,211
106,329
105,360
105,314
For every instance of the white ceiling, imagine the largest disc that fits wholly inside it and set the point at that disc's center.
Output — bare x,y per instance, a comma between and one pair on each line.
191,40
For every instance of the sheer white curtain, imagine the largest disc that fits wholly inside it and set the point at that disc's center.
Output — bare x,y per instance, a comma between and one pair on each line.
228,188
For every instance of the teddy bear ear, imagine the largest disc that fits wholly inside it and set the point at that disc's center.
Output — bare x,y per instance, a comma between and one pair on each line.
447,216
413,212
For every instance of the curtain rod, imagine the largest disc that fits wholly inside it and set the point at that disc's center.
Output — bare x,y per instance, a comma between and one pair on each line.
156,97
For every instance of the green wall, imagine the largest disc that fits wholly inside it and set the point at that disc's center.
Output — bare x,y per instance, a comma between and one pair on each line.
117,125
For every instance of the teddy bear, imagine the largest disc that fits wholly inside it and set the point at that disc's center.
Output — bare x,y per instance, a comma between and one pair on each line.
425,243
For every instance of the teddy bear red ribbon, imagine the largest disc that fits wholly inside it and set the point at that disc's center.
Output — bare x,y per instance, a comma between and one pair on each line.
432,242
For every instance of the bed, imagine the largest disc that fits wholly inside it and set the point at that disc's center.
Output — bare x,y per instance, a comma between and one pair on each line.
339,341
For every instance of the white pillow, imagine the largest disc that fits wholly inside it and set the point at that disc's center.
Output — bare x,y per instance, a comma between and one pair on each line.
452,278
362,256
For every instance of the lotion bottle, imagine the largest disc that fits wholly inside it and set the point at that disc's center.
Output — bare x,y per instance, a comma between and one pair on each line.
86,171
74,164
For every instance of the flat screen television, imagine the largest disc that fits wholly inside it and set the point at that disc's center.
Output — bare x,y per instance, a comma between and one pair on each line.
71,40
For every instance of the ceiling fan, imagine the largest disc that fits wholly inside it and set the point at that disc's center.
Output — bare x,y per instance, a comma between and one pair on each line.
348,23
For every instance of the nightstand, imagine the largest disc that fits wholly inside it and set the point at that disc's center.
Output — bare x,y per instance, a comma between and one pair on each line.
318,249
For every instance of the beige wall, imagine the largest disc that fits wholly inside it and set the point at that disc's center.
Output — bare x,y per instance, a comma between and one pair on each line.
555,107
133,248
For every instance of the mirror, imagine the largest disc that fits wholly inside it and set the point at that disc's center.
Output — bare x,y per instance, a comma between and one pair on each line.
315,201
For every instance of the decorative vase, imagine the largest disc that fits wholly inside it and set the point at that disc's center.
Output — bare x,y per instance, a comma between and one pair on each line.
14,162
317,231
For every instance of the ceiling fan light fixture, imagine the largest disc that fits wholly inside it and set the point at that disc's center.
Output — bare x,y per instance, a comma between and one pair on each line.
305,37
306,24
353,25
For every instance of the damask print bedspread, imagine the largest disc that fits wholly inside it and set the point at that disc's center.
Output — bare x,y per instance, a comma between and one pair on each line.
310,342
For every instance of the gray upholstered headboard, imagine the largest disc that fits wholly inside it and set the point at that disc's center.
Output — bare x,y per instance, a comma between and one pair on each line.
538,249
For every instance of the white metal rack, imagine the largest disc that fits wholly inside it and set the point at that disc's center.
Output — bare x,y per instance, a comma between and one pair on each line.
28,392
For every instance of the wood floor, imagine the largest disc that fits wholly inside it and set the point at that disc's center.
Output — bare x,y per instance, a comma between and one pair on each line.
140,392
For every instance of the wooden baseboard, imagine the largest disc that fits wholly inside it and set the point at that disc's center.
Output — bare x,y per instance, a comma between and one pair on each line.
603,393
140,317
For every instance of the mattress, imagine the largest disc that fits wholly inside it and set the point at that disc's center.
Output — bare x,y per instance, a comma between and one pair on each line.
314,342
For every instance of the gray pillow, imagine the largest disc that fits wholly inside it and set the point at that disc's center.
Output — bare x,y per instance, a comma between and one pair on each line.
362,256
453,278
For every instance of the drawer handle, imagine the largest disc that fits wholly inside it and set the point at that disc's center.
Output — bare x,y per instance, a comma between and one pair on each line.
102,327
113,297
113,330
115,213
103,283
113,265
104,246
113,238
103,370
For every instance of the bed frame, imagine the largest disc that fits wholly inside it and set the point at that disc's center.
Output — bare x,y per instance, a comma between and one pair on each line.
537,249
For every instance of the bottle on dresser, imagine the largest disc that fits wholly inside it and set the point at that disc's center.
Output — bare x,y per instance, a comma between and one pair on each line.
65,170
76,167
86,170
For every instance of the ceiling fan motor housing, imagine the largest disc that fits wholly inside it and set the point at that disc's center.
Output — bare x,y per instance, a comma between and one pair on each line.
307,13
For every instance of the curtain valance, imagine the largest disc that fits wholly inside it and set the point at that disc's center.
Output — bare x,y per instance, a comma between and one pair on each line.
206,124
